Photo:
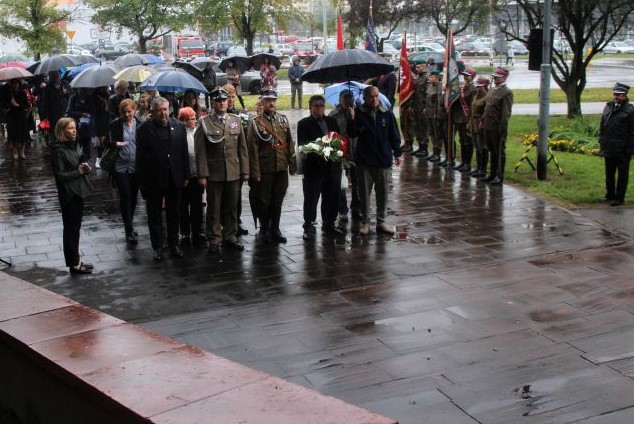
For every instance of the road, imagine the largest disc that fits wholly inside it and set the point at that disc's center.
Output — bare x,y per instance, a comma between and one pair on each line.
602,73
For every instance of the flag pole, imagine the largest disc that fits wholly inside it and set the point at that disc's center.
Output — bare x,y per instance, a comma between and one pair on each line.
446,83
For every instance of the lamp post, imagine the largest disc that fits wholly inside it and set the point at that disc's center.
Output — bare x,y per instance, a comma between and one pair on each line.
544,98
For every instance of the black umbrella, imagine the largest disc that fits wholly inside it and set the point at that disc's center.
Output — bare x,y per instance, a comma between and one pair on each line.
243,63
203,62
257,60
190,68
347,65
55,63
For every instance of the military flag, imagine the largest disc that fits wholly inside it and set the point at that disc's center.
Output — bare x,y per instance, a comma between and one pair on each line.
406,83
451,77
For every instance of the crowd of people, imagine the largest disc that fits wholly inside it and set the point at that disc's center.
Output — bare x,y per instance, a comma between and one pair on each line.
175,153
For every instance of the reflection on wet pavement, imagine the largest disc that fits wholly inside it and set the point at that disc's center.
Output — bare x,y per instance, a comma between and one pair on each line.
483,290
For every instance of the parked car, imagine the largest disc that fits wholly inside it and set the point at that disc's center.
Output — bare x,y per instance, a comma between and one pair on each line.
423,57
428,47
618,47
518,47
250,81
474,49
219,49
109,52
390,52
236,51
76,50
284,49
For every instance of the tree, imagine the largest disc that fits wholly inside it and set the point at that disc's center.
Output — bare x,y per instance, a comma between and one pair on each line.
384,13
35,22
587,26
457,14
248,16
146,19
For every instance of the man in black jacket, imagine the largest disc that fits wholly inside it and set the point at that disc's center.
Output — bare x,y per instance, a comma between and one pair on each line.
616,137
162,167
321,177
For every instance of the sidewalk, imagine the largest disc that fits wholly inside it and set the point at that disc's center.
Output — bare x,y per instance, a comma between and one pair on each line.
488,306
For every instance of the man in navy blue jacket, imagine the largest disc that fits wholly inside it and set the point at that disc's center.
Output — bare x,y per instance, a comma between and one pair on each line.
378,145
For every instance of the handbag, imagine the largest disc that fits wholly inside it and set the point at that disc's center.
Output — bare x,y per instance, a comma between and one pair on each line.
108,159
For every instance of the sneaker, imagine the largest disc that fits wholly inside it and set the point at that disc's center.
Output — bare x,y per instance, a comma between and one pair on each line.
364,229
98,163
382,227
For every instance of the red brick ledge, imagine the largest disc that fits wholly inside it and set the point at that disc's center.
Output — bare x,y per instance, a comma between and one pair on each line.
64,362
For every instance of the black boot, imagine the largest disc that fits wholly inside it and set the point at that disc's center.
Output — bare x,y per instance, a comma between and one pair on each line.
476,172
466,159
435,157
276,234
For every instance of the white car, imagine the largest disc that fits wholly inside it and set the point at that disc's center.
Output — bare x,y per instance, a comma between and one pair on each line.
284,49
390,52
618,47
77,50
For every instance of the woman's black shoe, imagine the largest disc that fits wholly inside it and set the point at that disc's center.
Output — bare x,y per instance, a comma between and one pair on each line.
83,269
131,238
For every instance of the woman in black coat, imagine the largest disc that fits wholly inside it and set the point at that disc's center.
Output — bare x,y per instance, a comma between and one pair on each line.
72,187
17,122
123,138
616,137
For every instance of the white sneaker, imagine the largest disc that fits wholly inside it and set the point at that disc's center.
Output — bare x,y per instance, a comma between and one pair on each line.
382,227
98,163
365,229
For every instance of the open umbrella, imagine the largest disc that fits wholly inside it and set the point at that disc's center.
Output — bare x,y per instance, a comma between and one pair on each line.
257,60
22,65
175,81
81,59
13,58
13,72
191,68
202,62
332,92
130,59
55,63
136,73
95,76
347,65
152,59
241,62
79,68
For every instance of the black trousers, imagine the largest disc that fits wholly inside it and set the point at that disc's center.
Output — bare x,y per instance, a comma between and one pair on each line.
617,171
72,214
128,189
192,209
327,186
154,202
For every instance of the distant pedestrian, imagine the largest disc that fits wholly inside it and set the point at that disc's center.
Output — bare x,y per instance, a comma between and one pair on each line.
295,77
233,78
72,187
616,137
510,56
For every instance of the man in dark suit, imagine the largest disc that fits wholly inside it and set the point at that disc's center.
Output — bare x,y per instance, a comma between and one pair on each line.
162,166
321,177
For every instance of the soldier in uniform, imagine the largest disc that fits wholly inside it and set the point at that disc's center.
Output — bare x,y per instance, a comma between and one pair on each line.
431,112
460,114
222,161
271,158
475,125
497,112
418,105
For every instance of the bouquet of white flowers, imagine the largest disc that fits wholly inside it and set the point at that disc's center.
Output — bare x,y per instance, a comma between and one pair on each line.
332,147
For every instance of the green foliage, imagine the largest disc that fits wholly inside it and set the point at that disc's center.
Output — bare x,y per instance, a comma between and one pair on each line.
145,19
583,132
35,23
583,181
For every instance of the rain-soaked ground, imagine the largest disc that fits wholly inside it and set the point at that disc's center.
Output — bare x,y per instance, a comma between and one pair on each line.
489,305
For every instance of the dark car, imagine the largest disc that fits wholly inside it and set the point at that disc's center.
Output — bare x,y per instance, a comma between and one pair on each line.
109,52
474,49
219,49
423,57
250,81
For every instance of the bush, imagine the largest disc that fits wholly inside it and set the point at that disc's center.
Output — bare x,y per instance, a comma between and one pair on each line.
579,136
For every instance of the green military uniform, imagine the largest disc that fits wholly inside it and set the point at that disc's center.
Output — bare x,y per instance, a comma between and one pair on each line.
476,121
431,113
420,122
460,113
497,112
222,158
271,158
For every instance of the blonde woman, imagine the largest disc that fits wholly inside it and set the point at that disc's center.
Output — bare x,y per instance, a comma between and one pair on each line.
72,188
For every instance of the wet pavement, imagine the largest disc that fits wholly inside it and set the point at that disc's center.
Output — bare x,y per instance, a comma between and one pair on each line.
489,305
